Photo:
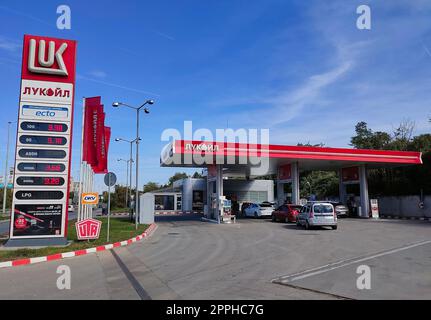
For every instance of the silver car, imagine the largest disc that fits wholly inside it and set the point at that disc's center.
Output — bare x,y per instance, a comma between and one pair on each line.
320,214
340,209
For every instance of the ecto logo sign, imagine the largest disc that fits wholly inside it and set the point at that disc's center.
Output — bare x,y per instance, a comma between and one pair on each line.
90,198
44,112
46,62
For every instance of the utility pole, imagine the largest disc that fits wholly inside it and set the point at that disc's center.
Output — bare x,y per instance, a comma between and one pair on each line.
6,171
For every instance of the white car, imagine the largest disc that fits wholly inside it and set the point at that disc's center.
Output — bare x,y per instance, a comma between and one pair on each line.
317,214
256,210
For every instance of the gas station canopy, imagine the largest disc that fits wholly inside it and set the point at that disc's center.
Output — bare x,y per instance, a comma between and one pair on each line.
235,157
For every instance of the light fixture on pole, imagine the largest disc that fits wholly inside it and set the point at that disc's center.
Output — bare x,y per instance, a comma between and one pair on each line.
146,110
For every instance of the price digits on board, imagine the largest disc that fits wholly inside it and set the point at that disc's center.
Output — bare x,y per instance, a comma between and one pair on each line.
43,126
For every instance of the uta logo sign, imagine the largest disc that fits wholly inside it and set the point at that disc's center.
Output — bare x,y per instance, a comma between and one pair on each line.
88,229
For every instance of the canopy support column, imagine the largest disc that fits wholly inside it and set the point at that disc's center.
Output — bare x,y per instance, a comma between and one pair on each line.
342,188
295,183
363,186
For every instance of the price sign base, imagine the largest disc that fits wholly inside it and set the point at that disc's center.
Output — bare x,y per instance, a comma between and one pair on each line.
37,242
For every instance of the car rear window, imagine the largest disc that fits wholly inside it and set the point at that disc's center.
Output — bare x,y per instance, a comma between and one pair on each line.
265,205
296,207
323,208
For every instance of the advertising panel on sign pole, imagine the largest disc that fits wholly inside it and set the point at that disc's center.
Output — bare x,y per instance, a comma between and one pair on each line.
44,139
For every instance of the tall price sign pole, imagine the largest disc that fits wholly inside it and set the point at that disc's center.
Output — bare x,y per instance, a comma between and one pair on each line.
44,140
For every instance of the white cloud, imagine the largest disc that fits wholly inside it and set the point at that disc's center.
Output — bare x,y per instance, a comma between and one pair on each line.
9,44
98,74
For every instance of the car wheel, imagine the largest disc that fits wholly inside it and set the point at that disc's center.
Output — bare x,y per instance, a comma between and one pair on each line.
334,227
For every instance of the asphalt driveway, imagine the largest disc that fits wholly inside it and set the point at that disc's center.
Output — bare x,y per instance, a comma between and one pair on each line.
253,259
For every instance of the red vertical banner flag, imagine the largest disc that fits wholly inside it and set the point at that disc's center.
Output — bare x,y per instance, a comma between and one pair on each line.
94,139
89,153
100,144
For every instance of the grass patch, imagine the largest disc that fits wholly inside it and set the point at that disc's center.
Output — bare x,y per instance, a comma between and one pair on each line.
121,229
120,210
4,217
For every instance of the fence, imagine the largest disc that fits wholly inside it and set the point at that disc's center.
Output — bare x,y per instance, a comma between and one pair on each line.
405,206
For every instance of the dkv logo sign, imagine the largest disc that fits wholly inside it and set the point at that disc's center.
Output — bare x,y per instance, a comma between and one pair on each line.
47,58
90,198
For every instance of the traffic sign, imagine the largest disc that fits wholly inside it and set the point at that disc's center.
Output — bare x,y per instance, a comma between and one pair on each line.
110,179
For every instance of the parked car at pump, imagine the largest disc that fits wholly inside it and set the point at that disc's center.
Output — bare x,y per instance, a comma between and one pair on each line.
257,210
341,210
244,206
286,213
320,214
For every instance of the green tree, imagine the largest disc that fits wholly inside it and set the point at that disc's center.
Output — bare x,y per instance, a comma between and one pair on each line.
151,186
197,175
177,176
365,138
406,180
323,184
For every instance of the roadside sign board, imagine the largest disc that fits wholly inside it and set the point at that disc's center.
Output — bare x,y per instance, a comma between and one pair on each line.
110,179
31,220
90,198
88,229
374,208
43,145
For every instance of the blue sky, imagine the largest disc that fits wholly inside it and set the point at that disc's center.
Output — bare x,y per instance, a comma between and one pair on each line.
300,68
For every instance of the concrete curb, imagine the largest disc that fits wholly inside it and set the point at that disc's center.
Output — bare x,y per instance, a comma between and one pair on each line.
210,220
177,212
405,218
64,255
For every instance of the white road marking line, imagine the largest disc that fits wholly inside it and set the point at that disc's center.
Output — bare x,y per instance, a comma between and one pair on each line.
341,264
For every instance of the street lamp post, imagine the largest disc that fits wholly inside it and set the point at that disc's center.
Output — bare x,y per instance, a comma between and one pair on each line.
309,184
127,179
6,176
146,110
130,162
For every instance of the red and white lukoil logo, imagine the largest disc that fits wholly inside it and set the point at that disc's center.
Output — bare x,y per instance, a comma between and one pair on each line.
48,59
